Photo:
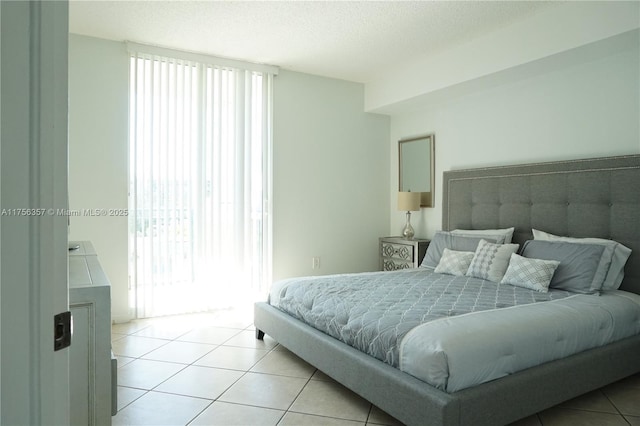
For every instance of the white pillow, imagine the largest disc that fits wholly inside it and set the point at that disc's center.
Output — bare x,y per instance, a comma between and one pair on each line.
490,261
615,255
502,236
534,274
454,262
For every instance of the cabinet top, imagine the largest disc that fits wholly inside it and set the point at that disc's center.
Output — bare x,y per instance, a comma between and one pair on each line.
84,248
84,268
404,240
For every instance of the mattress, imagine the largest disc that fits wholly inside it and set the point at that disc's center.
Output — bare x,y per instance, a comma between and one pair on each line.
455,332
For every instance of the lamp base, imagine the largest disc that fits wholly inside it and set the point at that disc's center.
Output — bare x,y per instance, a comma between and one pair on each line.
408,231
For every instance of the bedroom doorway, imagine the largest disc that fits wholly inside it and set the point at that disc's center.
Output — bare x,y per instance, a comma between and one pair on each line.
199,183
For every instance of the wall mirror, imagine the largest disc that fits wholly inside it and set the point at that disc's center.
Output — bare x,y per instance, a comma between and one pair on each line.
417,168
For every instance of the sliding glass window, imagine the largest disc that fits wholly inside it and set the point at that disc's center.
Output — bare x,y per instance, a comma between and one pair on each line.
199,175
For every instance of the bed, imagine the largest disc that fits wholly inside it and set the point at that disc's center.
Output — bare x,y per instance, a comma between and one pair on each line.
597,198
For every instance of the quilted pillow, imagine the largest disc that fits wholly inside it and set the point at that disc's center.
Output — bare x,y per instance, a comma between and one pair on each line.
534,274
454,262
490,261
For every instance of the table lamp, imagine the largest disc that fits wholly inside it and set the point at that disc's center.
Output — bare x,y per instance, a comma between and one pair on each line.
409,202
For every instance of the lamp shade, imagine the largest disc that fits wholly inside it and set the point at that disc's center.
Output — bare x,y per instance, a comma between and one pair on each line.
409,201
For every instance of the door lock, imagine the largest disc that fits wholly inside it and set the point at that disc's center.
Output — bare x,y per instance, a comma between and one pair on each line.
62,330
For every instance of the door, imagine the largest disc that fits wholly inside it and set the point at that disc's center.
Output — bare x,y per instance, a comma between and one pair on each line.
33,196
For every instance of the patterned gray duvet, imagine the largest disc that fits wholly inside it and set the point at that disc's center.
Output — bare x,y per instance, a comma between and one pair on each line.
455,332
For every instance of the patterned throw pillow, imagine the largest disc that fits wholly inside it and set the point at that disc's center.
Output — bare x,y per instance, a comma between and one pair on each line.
534,274
490,260
454,262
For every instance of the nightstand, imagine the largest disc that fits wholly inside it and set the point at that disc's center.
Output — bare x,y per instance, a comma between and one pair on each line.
398,253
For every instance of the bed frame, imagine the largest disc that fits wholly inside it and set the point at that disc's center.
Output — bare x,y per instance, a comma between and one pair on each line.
594,197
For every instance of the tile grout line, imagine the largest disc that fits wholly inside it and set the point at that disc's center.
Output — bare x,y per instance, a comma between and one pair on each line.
192,364
244,372
615,406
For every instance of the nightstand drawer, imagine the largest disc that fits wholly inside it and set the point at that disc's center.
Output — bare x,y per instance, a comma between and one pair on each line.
395,264
397,251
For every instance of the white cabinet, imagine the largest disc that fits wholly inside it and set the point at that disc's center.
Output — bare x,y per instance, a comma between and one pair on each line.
90,358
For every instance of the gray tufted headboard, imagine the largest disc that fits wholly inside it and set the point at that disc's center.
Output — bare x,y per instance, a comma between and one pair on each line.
583,198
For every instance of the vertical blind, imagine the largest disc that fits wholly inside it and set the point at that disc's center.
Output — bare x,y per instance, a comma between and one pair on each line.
200,137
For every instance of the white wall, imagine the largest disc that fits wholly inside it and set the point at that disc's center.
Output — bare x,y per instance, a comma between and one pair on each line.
579,104
330,171
330,177
98,169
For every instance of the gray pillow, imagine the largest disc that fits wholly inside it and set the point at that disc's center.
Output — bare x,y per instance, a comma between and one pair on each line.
579,271
614,254
442,240
502,236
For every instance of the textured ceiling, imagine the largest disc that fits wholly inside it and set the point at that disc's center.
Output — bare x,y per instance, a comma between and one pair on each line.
350,40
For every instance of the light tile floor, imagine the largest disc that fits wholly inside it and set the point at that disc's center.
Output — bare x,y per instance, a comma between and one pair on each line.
208,369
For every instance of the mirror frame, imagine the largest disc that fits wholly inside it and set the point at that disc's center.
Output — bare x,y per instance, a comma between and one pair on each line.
426,198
